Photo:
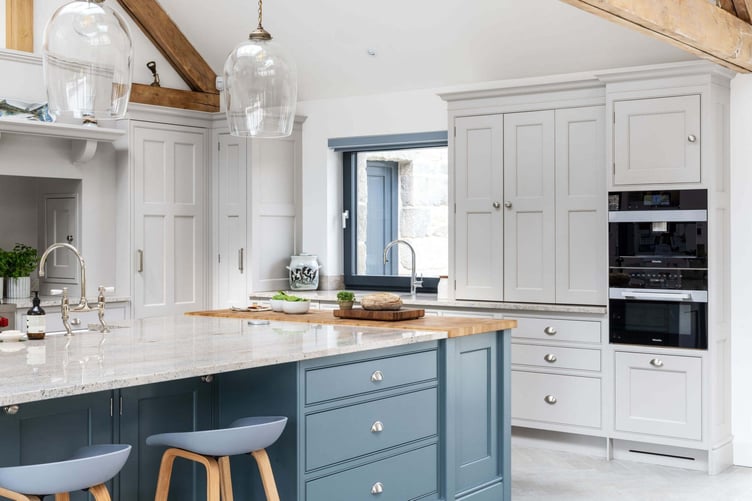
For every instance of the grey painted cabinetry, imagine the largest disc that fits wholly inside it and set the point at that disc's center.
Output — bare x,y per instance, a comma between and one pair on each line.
530,220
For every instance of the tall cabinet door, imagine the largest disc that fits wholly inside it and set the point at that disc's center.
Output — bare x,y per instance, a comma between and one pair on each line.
529,219
275,201
478,200
169,180
580,206
231,209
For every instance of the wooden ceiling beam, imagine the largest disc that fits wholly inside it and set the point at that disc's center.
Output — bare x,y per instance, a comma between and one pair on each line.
743,9
19,25
728,6
174,98
697,26
167,37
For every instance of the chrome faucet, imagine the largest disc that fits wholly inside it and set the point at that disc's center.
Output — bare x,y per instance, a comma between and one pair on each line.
414,282
83,305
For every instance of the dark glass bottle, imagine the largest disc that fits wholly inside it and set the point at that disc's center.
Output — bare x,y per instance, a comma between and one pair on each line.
35,320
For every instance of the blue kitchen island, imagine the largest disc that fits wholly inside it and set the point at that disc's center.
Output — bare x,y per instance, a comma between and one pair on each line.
392,411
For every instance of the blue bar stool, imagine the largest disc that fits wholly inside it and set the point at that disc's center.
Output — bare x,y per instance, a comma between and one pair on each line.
212,448
88,469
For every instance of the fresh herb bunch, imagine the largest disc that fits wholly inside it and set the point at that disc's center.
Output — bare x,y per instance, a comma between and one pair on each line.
345,296
3,263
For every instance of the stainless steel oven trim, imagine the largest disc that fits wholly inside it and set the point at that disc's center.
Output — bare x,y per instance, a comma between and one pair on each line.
689,296
651,216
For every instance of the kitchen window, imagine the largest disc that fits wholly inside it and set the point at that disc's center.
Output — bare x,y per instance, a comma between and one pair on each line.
394,187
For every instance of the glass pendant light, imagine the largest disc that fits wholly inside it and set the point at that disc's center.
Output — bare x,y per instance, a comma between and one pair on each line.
260,87
87,56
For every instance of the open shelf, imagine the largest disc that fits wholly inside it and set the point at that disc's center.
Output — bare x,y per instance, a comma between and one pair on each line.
84,138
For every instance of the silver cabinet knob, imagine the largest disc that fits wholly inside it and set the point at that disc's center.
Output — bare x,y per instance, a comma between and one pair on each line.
549,399
377,488
550,358
550,331
496,205
656,362
377,427
691,138
508,205
377,376
11,410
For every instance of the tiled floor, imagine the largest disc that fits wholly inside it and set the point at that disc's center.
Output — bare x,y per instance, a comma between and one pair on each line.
542,475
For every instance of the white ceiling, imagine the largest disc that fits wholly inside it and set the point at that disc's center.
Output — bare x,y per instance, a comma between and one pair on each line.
418,43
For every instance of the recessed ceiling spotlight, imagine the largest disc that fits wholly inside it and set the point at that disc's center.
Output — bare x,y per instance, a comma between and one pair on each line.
371,52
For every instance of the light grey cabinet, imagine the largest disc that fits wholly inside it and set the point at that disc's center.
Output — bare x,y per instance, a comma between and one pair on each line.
530,217
169,169
657,141
658,394
257,203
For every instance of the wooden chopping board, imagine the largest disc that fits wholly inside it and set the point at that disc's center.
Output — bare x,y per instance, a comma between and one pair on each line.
387,315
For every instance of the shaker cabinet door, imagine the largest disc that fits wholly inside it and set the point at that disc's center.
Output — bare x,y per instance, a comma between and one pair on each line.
657,141
478,252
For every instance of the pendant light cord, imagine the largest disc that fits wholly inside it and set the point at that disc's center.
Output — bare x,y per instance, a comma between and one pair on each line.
260,33
261,12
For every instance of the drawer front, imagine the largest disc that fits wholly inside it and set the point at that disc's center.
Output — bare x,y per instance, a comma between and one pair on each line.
551,398
408,476
356,378
349,432
555,329
556,357
492,493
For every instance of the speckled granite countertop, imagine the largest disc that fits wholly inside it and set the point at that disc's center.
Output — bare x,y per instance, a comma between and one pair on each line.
167,348
430,301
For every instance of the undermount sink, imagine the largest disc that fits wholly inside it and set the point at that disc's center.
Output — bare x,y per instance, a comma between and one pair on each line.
91,329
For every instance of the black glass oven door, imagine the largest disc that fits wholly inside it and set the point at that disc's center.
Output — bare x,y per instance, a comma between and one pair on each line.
658,323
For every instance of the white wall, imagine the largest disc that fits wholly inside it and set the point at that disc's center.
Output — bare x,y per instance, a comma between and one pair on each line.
741,266
403,112
2,23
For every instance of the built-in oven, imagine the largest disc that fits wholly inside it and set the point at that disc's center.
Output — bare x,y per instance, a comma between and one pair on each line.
658,268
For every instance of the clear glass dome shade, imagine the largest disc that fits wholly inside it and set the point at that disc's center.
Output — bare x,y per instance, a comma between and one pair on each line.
260,89
87,58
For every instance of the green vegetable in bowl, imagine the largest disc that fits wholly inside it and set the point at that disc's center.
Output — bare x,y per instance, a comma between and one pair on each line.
294,298
280,296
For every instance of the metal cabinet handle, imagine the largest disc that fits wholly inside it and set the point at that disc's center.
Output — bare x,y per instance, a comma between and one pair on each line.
140,260
377,376
496,205
550,358
241,251
549,399
377,488
11,410
656,362
75,322
691,138
550,331
377,427
508,205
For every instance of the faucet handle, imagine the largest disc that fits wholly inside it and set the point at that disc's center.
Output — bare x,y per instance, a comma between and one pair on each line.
419,281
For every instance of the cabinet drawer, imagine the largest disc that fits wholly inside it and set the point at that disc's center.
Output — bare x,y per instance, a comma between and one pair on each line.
658,394
552,398
349,432
356,378
555,329
556,357
408,476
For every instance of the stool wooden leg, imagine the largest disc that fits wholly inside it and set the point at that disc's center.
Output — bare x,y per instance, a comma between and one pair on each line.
267,476
62,496
100,493
165,473
225,478
16,496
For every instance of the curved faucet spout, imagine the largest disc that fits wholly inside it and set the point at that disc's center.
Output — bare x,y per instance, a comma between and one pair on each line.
83,305
414,283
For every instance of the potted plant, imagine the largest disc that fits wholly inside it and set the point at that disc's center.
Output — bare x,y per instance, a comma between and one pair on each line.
3,269
345,300
20,264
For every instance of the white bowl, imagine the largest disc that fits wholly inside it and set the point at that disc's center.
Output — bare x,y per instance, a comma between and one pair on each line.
12,335
276,304
296,307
